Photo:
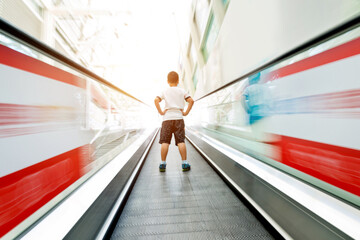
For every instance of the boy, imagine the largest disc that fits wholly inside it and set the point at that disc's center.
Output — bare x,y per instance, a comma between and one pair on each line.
173,121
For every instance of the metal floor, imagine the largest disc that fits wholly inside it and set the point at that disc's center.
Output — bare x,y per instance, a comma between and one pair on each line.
184,205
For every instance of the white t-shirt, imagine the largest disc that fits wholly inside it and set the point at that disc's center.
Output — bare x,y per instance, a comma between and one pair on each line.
174,102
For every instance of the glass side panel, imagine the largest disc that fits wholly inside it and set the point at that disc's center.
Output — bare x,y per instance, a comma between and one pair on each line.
201,15
195,77
57,128
300,115
210,37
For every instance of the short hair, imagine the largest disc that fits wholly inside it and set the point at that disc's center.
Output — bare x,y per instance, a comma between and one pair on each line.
173,77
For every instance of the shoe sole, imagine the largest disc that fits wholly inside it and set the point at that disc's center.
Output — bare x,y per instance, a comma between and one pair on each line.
162,170
186,169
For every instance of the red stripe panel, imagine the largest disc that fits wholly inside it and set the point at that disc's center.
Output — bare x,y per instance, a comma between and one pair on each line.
25,191
345,50
335,165
21,61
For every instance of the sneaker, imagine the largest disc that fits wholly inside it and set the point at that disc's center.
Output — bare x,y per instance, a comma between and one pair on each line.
185,167
162,167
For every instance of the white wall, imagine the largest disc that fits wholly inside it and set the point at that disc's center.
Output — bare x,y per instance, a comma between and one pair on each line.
255,32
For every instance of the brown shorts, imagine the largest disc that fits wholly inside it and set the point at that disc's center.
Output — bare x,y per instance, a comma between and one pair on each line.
169,127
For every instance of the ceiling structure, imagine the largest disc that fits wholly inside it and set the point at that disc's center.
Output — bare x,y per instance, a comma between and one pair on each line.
132,43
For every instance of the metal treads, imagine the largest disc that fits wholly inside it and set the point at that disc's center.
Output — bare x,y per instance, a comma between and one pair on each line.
184,205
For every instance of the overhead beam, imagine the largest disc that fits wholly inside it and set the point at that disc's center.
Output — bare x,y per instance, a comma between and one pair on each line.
61,11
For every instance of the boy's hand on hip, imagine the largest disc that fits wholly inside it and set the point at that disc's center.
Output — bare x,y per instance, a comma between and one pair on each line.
163,112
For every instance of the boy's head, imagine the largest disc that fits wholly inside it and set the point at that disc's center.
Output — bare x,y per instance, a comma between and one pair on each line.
173,78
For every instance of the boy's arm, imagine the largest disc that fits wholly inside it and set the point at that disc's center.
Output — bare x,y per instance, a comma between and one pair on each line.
191,103
157,104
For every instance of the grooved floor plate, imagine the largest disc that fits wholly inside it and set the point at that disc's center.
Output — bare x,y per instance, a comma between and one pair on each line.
184,205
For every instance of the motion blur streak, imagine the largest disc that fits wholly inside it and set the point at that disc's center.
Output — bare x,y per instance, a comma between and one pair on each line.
25,191
336,165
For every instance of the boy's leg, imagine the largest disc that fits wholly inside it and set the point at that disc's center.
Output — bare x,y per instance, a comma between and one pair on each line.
164,151
180,142
165,140
182,150
180,138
